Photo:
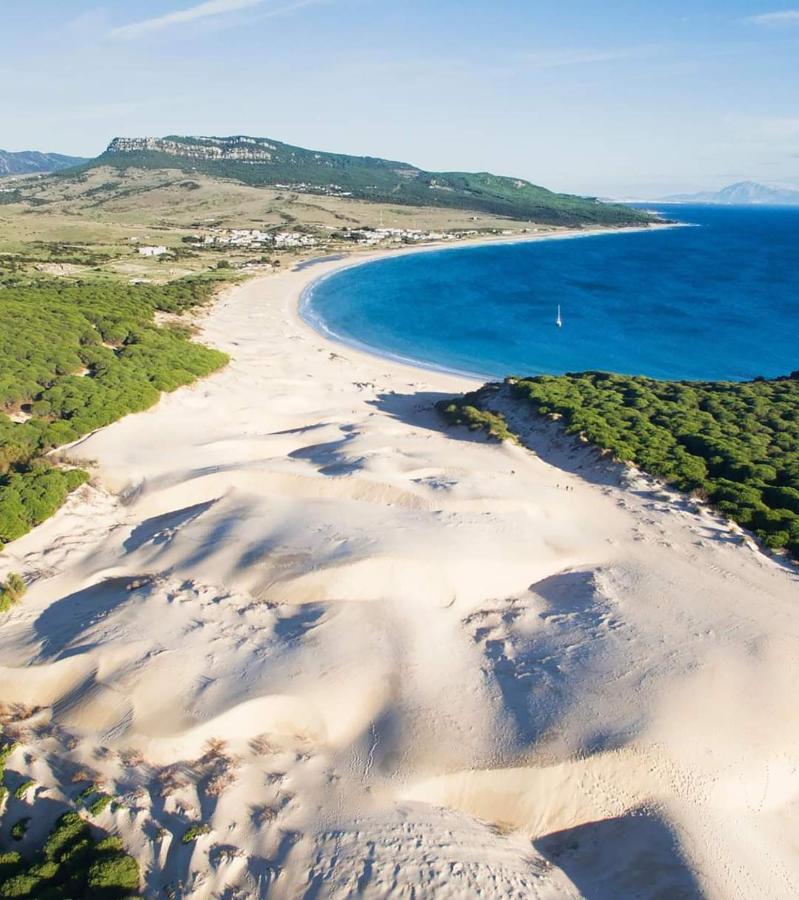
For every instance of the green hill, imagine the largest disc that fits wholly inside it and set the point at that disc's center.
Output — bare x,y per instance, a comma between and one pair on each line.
264,162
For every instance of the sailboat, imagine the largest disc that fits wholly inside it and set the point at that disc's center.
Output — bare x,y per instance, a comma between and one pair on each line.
559,321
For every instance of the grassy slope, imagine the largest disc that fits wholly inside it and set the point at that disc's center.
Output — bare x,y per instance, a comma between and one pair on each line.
737,444
89,224
390,181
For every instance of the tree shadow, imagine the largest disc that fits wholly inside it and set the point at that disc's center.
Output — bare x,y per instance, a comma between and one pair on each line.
329,457
419,409
66,619
543,438
631,856
161,529
549,442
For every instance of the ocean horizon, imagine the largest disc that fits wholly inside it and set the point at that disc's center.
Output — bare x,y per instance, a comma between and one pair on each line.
717,301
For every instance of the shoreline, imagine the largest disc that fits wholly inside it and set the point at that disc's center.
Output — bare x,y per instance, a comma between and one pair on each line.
317,324
427,659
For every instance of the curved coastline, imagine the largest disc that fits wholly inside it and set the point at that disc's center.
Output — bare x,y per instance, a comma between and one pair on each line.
317,323
342,564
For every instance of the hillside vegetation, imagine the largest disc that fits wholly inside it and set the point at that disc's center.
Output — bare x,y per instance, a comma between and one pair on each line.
264,162
91,223
734,443
77,357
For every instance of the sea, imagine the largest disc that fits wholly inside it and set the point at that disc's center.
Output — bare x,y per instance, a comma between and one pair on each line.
715,298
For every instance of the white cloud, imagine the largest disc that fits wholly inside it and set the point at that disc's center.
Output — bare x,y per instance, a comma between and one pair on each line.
183,16
781,17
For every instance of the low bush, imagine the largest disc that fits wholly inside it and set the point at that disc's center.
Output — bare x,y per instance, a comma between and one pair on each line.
12,590
194,831
100,804
71,864
20,828
23,789
464,411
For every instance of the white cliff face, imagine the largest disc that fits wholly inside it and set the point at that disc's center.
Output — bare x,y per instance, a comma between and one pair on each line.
241,149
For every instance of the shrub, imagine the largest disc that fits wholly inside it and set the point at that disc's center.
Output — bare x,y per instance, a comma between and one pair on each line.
735,442
464,412
67,832
9,864
22,885
24,788
195,831
20,828
103,801
115,876
12,590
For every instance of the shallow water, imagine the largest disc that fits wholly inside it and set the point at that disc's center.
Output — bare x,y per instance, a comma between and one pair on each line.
715,301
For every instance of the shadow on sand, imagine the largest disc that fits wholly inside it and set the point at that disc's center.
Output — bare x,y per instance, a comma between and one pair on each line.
632,856
550,443
543,438
419,409
159,529
66,619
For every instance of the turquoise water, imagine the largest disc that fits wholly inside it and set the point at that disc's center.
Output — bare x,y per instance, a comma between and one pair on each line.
718,300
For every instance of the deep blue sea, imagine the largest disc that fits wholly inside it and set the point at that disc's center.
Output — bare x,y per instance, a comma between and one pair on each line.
717,299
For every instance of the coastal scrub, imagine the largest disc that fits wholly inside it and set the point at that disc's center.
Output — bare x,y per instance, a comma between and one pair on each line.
735,444
76,358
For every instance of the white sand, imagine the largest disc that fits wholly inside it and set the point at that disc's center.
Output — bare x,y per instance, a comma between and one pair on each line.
436,671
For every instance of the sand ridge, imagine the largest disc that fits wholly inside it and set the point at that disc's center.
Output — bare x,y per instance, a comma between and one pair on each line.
381,658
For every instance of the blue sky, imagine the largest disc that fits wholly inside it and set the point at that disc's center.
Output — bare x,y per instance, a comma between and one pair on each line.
622,97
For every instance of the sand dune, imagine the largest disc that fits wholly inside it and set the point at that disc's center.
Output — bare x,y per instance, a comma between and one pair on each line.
379,658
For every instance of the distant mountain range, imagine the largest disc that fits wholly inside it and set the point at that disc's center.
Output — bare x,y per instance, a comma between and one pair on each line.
266,162
30,162
740,194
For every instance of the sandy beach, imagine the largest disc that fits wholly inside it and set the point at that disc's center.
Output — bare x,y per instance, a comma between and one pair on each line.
380,658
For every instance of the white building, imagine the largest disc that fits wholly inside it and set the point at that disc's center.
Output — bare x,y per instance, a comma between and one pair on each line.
152,251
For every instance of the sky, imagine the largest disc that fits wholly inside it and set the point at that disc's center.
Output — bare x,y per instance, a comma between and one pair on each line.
622,98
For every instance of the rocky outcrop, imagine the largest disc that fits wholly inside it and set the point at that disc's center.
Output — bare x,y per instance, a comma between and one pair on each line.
240,149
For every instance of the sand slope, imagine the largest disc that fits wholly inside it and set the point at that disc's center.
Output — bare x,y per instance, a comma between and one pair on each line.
382,659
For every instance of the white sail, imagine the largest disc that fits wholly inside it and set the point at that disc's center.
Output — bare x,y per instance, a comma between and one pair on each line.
559,321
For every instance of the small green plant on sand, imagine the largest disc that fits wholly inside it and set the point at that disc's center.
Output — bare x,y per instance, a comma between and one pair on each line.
195,831
85,794
23,789
18,829
12,590
100,804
